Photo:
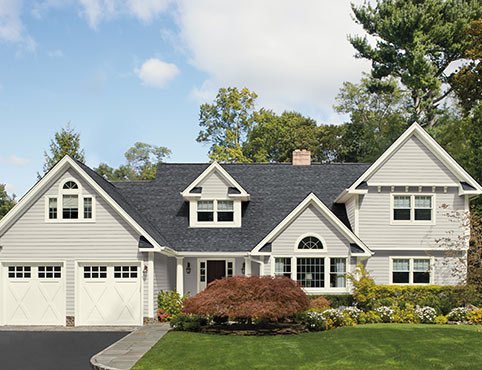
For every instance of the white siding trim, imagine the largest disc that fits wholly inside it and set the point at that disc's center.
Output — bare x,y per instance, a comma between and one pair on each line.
150,284
310,251
357,214
412,220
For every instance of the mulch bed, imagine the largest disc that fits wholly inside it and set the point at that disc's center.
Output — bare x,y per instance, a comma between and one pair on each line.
255,330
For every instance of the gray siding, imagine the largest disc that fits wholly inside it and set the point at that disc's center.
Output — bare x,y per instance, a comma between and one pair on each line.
109,238
310,221
377,231
164,275
214,187
350,211
413,163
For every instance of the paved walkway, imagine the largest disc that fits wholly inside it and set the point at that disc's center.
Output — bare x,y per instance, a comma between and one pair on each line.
126,352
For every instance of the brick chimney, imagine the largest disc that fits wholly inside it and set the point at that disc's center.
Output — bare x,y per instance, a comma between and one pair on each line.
301,157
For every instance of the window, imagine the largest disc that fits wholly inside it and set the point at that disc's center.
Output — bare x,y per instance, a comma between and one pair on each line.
70,185
202,272
125,272
411,271
412,207
87,208
52,208
205,211
337,272
229,269
95,272
19,272
70,207
225,211
310,242
311,272
282,267
49,272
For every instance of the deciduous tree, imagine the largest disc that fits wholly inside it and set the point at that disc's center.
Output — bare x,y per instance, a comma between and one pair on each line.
6,202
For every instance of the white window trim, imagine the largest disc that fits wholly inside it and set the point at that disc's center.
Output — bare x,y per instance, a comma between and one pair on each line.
193,222
327,289
310,251
61,192
412,220
202,285
410,266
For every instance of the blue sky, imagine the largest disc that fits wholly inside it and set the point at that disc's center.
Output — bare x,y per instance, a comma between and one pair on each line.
137,70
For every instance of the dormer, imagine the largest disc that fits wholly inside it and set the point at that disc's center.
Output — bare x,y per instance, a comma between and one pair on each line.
215,199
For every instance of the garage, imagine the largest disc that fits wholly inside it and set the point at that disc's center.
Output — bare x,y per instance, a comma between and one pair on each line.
33,293
109,294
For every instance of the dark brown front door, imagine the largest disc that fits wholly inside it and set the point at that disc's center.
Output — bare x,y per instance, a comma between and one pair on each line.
216,270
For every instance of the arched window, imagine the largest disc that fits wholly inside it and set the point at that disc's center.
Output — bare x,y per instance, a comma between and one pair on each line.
70,185
310,242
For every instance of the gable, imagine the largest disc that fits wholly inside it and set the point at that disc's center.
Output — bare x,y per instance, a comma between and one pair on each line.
310,222
214,186
413,163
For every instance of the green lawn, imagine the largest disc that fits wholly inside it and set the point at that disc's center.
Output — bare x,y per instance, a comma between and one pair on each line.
381,346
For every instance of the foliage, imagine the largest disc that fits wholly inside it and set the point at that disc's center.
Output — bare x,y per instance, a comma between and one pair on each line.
426,315
170,303
65,142
475,316
274,137
467,82
415,42
339,300
319,303
377,119
163,316
407,315
142,160
370,317
6,202
242,297
343,316
441,320
314,321
184,322
363,287
387,314
226,122
458,314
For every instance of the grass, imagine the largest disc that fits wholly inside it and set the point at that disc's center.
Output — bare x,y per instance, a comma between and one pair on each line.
377,346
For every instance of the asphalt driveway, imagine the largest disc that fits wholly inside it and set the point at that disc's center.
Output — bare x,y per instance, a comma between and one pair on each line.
35,350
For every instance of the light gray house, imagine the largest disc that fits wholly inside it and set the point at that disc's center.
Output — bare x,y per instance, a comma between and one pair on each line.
78,249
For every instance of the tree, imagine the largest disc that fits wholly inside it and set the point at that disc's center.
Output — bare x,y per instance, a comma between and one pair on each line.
376,119
415,42
65,142
274,137
6,202
142,160
467,82
226,123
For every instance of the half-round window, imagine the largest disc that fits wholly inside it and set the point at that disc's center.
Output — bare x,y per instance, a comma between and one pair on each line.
70,185
310,242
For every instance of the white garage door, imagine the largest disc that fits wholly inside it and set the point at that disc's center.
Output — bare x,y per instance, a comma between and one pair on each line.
34,294
109,294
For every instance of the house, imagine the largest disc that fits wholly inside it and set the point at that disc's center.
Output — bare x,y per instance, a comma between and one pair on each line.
80,250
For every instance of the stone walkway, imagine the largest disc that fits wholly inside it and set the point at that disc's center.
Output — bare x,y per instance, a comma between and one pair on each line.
125,353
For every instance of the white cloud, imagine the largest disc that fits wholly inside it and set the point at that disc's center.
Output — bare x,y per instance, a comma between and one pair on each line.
156,73
55,53
146,10
15,161
10,188
293,55
11,25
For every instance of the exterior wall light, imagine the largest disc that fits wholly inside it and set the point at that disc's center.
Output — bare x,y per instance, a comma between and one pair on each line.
188,268
243,269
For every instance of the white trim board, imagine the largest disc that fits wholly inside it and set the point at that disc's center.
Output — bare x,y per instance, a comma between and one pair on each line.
312,199
431,144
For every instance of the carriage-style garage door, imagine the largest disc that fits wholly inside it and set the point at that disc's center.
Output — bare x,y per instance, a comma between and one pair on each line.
34,294
109,294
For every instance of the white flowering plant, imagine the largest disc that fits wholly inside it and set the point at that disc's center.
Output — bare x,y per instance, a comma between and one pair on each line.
387,314
426,315
458,314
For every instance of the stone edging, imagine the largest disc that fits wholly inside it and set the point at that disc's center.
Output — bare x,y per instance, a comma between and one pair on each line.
97,365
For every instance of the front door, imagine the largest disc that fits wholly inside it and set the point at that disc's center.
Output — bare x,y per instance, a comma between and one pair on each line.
216,270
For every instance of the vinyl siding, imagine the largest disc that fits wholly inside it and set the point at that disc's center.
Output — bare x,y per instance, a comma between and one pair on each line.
164,275
350,211
109,238
214,187
413,163
377,231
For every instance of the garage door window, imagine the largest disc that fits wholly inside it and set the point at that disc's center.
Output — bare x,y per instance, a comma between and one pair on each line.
49,272
125,272
95,272
19,272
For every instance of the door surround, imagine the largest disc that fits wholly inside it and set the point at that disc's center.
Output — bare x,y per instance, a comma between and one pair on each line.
202,284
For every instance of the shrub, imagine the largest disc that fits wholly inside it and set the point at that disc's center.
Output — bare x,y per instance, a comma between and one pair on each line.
319,303
386,314
458,314
333,317
426,315
314,321
440,320
370,317
163,316
340,300
170,303
475,316
184,322
242,297
406,315
363,287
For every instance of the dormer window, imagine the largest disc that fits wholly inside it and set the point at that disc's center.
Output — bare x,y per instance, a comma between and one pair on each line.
70,204
225,211
215,211
205,211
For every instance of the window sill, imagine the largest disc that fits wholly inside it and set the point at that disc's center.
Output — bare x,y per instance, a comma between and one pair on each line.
70,221
412,223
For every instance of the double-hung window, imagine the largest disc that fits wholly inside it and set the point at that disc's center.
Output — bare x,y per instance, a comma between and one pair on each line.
411,271
412,208
70,204
337,272
282,266
215,211
205,211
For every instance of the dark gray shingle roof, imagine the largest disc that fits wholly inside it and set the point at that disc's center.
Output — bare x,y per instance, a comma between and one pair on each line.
275,190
